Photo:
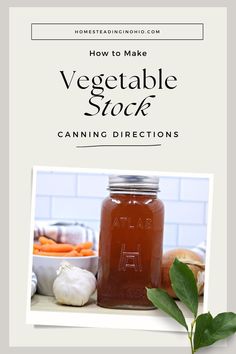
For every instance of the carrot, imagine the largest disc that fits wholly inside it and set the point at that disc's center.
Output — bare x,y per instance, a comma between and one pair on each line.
37,246
49,247
77,248
72,253
57,247
87,252
83,245
45,241
49,254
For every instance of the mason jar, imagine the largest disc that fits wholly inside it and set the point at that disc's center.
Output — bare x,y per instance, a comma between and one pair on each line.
130,242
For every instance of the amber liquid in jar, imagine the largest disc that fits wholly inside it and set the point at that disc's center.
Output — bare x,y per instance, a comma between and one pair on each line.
130,248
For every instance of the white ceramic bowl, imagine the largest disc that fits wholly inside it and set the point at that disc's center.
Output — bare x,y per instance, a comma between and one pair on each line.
45,268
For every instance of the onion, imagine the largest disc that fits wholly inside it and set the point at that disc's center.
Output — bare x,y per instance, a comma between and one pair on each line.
194,262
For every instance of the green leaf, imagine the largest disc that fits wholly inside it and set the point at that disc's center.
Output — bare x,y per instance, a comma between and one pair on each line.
184,285
163,301
202,323
222,326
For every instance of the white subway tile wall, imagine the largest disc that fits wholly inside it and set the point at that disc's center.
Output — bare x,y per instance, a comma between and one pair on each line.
78,197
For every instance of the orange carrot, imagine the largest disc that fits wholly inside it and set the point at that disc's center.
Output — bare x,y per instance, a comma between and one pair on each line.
57,247
49,254
72,253
37,246
46,241
77,248
83,245
48,247
87,252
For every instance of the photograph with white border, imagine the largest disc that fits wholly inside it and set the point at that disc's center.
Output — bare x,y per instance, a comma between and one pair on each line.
66,213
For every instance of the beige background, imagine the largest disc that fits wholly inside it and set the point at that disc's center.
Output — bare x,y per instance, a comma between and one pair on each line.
198,111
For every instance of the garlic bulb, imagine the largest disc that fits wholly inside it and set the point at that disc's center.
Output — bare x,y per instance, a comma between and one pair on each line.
73,285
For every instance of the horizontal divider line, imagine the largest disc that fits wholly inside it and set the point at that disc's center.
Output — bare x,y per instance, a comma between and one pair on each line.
116,145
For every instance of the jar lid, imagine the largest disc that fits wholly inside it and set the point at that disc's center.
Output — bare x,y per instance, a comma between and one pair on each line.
134,183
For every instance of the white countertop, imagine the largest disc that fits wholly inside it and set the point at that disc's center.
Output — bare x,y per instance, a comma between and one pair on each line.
49,303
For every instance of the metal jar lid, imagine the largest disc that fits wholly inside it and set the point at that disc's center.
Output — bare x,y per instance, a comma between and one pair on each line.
134,183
